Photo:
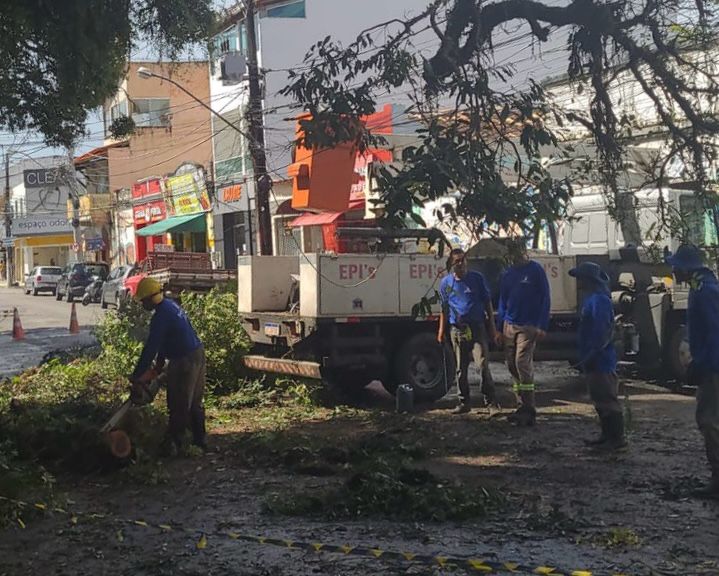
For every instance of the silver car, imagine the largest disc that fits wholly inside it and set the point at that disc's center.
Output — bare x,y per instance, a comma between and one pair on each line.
42,279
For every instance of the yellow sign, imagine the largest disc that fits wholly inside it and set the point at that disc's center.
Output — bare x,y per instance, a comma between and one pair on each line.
186,194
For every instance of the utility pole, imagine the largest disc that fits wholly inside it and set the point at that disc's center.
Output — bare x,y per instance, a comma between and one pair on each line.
9,250
255,119
75,199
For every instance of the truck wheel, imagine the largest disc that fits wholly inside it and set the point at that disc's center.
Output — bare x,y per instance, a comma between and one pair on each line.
678,353
426,366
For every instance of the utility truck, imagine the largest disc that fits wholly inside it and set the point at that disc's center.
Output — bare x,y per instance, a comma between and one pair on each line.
350,319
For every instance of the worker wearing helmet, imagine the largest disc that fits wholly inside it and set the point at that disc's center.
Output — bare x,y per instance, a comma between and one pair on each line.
173,338
703,328
597,356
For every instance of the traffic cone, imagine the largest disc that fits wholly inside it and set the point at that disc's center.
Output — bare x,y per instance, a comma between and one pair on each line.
17,332
74,326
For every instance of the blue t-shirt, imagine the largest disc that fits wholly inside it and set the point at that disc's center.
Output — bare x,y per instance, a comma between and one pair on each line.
465,298
596,345
524,296
703,321
171,336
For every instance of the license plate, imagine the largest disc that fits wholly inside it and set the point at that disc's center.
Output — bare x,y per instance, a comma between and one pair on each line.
272,329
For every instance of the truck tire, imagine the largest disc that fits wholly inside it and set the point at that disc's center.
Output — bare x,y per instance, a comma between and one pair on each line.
678,354
426,366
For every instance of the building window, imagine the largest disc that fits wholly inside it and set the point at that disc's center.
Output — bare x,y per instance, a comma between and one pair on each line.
118,110
287,9
151,112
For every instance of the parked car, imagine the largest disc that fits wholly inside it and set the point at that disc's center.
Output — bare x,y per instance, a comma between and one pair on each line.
114,290
42,279
75,278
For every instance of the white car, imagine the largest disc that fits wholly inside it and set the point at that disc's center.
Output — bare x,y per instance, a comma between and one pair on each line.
42,279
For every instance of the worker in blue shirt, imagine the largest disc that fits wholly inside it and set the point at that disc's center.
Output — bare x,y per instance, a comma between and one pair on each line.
597,356
173,338
522,320
703,327
467,309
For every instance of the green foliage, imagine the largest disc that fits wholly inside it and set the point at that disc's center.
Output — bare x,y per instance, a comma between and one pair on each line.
121,335
62,59
500,145
620,538
122,127
384,489
217,322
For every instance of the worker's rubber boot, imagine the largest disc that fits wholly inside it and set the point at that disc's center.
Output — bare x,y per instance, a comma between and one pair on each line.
526,414
603,437
616,441
197,424
529,414
710,491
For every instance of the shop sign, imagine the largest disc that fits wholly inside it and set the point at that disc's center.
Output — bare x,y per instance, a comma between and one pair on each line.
146,188
163,248
186,194
93,244
36,224
40,177
148,213
233,198
8,242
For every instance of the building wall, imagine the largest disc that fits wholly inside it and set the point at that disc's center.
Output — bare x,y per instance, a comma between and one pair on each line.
155,151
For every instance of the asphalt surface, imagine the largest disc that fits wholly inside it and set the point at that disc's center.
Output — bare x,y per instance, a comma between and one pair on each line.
46,323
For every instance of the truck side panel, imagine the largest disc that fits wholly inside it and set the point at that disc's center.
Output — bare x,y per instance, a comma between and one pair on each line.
264,282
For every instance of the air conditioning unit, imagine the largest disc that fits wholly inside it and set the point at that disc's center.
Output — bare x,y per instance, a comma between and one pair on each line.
233,67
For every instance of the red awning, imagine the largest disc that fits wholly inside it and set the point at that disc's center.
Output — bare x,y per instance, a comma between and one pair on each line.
311,219
317,219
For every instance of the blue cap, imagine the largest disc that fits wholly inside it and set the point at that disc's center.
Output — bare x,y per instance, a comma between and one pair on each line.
687,257
590,271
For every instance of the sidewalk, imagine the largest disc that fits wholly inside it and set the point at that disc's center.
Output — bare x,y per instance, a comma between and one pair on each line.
19,355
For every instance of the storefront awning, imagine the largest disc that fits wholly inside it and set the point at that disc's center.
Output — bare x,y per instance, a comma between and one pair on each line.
45,241
312,219
189,223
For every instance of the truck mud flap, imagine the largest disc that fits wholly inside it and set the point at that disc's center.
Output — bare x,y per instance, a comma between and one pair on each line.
300,368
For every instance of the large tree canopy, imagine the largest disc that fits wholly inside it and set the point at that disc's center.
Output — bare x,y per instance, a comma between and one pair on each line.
484,140
60,59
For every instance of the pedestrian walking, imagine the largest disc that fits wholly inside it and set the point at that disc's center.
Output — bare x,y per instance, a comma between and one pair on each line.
597,356
703,327
523,320
467,311
173,338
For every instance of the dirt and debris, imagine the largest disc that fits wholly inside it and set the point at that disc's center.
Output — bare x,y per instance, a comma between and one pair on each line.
535,496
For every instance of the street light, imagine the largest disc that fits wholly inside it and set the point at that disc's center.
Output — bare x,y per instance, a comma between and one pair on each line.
145,73
262,181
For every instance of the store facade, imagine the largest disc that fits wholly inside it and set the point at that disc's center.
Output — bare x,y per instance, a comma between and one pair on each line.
42,232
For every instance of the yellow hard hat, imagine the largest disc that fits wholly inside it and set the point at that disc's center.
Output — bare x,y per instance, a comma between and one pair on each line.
149,288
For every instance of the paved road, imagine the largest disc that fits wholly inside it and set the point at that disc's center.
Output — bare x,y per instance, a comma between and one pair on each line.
46,323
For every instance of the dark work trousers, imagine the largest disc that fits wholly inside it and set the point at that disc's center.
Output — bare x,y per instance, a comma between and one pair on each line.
467,348
708,418
604,392
185,388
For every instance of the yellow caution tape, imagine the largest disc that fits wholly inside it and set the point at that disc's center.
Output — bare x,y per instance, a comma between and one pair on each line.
472,564
202,542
